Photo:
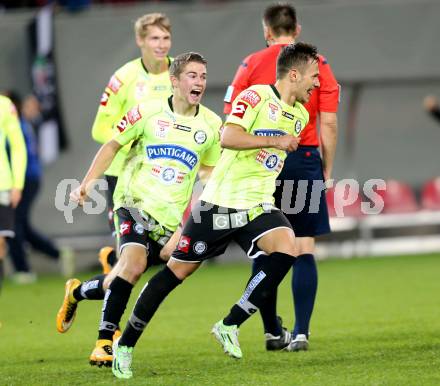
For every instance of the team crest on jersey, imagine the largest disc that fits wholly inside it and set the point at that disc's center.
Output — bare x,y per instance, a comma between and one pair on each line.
200,137
114,84
251,97
139,228
174,152
298,127
104,98
273,109
270,161
239,109
141,90
162,128
134,115
200,247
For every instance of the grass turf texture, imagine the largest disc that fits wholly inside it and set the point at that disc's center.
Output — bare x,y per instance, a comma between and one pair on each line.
376,322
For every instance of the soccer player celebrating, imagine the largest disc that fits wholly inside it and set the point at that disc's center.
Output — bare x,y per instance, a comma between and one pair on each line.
280,28
139,80
172,139
11,174
237,203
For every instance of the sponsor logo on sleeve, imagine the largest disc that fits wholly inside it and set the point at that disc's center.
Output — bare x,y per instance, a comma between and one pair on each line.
251,97
200,137
184,243
114,84
125,228
298,127
239,109
104,98
134,115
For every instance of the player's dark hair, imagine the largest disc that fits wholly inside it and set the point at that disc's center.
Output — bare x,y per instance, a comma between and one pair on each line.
281,19
182,60
295,55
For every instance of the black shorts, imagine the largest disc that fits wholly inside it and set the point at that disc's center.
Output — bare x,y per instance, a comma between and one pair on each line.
303,165
141,229
207,233
111,181
6,215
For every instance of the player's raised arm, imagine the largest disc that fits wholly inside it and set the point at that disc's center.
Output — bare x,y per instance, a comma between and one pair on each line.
236,138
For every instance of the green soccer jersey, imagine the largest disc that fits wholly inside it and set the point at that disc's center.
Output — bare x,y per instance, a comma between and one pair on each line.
11,174
160,169
128,86
246,178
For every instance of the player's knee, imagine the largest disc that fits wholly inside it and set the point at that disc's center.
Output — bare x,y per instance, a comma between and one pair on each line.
288,249
134,264
182,270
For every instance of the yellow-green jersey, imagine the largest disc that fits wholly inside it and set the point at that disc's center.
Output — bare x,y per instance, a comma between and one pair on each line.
167,150
129,85
11,174
246,178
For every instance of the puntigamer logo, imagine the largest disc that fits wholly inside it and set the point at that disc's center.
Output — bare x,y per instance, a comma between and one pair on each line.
178,153
269,133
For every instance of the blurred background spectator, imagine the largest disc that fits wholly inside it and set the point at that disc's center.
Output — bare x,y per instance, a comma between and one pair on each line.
25,234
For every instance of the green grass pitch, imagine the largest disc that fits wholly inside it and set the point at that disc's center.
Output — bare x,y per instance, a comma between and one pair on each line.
376,322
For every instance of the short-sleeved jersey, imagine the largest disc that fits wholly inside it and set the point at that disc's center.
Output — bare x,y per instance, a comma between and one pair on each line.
129,85
11,174
246,178
260,68
160,169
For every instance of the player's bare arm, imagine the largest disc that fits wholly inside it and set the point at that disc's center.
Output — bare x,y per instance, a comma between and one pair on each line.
236,138
99,165
329,137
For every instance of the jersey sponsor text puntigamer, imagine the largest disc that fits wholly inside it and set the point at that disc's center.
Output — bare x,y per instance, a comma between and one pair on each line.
160,169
